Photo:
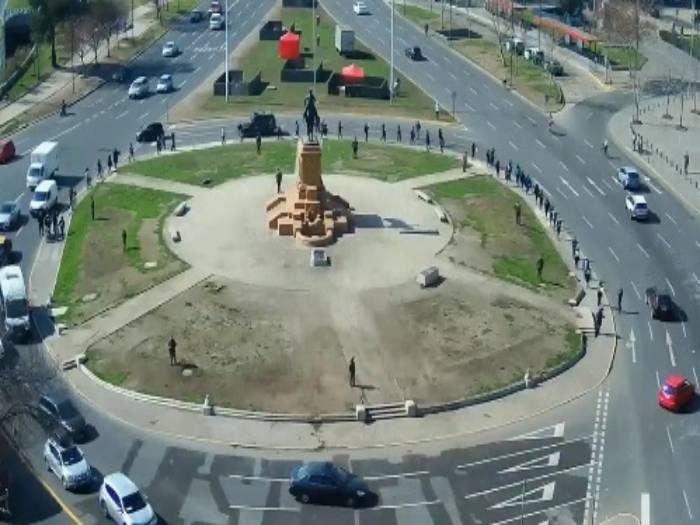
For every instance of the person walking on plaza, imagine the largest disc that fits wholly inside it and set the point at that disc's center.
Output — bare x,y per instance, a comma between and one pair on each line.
398,133
437,111
158,146
441,141
498,168
473,150
425,28
417,129
465,162
115,157
577,258
296,128
686,162
47,224
88,179
172,141
355,146
574,246
351,371
40,222
278,180
518,211
54,223
340,130
172,351
71,197
92,208
412,136
540,267
366,129
558,228
599,295
619,300
427,140
587,275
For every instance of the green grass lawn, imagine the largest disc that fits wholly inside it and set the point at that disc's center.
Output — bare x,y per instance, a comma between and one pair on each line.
623,56
389,163
489,210
264,57
37,72
93,259
18,4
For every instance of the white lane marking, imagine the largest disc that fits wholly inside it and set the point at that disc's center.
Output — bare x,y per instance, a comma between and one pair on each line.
473,90
532,120
607,184
508,102
634,287
589,115
195,69
454,77
645,518
647,180
658,381
513,145
695,376
400,475
613,218
697,281
631,344
550,460
585,188
587,221
552,431
670,286
651,334
643,250
469,107
263,479
669,344
597,188
494,106
490,125
143,116
431,77
517,125
540,144
578,157
536,167
687,505
670,441
663,240
264,509
614,254
121,115
562,193
588,143
685,334
671,219
561,163
545,511
566,183
183,84
616,181
406,505
546,493
528,482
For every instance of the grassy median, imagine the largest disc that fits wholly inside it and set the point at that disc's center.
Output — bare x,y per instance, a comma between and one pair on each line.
96,272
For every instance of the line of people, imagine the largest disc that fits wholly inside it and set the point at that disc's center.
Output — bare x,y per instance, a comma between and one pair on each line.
52,224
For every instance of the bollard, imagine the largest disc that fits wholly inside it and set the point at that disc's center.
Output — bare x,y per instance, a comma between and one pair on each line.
207,406
527,378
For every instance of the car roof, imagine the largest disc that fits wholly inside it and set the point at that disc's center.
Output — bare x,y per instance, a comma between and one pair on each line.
629,169
636,198
170,43
121,484
44,185
165,76
675,380
139,79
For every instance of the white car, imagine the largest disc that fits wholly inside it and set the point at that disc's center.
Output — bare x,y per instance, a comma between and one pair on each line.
121,501
67,461
216,22
360,8
165,84
629,178
170,49
44,198
139,88
636,207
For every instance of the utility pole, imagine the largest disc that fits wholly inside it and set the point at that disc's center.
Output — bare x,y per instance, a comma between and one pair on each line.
539,29
512,40
132,19
391,72
72,52
226,47
450,39
313,25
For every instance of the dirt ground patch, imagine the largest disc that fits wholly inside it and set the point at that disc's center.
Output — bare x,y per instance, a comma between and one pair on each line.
287,351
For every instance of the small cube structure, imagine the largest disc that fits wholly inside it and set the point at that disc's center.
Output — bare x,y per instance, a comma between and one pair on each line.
428,277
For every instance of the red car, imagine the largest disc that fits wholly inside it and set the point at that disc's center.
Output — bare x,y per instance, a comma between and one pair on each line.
7,151
676,393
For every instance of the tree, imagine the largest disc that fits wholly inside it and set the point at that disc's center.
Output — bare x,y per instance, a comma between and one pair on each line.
623,25
47,15
89,33
109,16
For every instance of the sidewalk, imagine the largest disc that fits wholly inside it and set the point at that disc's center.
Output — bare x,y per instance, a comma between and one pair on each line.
172,419
62,78
664,144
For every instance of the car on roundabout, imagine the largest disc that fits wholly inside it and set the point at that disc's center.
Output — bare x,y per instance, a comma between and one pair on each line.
67,462
676,393
10,216
661,305
328,484
151,133
263,123
360,8
58,412
414,53
121,501
637,207
165,84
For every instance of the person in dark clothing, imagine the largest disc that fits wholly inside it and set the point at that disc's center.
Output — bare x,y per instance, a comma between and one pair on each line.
587,276
540,267
518,212
54,223
383,132
351,371
296,128
619,299
92,208
99,168
574,246
279,133
123,240
427,140
599,295
398,133
355,146
47,224
62,227
340,130
258,142
418,129
131,152
71,196
498,168
172,352
40,221
441,141
465,162
278,180
109,165
412,136
473,150
366,129
115,158
172,141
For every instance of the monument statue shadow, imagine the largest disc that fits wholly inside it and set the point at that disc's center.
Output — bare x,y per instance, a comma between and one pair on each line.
374,221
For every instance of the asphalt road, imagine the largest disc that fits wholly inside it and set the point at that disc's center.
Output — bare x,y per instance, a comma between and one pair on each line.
646,449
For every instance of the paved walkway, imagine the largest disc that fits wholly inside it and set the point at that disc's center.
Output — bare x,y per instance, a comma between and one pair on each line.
62,78
170,420
664,144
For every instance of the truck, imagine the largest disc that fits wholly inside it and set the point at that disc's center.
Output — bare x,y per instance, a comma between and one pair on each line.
344,39
43,163
14,303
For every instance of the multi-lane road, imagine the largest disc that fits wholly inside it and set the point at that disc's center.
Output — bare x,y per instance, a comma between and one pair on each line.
648,453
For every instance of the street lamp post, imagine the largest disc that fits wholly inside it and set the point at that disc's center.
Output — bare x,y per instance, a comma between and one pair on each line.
391,72
132,19
226,47
313,25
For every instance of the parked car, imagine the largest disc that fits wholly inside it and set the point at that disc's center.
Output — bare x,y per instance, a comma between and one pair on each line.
170,49
324,482
66,461
515,45
7,151
121,501
414,53
554,67
139,88
165,84
263,123
629,178
216,22
44,198
10,216
59,412
636,207
676,393
360,8
660,305
534,54
151,133
196,16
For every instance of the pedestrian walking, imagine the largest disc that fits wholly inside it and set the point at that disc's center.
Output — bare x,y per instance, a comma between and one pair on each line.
355,146
465,163
686,162
92,208
574,246
123,240
412,136
172,351
605,147
498,168
577,258
587,275
427,140
279,132
540,267
131,152
109,165
518,211
351,371
278,180
425,28
558,228
223,134
547,206
158,146
441,140
99,168
115,158
418,129
54,223
172,140
258,142
596,325
366,129
40,221
71,197
296,128
398,133
340,130
437,111
62,227
599,295
383,133
88,179
619,299
473,150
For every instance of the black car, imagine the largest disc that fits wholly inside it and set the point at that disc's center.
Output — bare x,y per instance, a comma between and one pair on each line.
263,123
59,412
151,133
326,483
660,305
196,16
414,53
554,67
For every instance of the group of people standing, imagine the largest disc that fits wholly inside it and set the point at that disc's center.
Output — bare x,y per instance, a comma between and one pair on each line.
52,224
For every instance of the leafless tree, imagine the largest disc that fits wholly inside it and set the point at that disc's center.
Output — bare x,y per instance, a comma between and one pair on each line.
109,16
501,28
623,25
90,33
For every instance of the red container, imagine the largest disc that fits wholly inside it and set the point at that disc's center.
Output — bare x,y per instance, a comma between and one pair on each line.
290,44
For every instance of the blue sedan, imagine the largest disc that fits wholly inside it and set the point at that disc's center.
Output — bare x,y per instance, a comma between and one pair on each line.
328,484
9,216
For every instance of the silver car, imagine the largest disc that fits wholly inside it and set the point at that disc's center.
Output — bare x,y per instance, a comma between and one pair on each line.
67,461
165,84
9,216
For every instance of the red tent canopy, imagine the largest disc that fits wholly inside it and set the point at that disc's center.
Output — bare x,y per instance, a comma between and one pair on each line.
290,44
353,72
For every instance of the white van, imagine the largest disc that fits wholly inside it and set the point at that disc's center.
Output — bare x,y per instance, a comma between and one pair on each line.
45,197
14,304
43,163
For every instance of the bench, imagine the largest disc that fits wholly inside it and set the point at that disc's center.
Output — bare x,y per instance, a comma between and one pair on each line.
428,277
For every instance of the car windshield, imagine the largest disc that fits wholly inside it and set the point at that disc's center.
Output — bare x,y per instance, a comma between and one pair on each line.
41,196
71,456
36,172
15,308
633,175
6,208
664,301
66,410
641,205
133,502
669,390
